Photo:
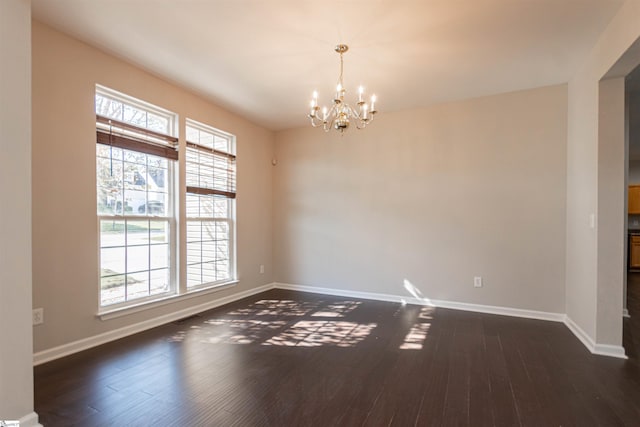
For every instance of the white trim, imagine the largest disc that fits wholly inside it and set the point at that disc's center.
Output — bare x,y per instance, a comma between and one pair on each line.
147,305
85,343
579,333
599,349
610,350
625,313
30,420
489,309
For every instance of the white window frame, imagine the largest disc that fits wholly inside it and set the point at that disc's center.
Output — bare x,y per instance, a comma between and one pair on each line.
171,117
170,212
230,219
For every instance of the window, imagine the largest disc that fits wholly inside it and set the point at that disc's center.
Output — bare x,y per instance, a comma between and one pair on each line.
138,199
135,157
210,202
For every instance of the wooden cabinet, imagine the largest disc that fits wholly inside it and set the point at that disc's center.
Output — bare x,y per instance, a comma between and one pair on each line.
634,252
634,199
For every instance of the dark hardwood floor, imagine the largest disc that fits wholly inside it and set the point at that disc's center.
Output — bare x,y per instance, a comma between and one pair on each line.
286,358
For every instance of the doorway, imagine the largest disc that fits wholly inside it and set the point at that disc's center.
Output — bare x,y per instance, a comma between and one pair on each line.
631,322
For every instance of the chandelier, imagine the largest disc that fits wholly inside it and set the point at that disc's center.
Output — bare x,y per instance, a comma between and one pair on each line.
341,114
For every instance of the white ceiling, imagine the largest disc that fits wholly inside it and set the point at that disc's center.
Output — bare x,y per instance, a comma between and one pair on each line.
263,58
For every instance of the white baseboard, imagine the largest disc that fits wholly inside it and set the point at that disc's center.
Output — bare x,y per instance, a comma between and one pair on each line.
86,343
599,349
489,309
625,313
610,350
30,420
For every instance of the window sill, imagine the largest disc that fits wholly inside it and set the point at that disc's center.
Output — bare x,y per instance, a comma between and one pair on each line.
114,313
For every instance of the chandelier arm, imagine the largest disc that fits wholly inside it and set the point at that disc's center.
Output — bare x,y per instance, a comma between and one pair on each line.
330,117
358,118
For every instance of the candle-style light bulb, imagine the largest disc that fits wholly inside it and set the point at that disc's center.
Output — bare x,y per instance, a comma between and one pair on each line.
324,113
373,102
365,111
360,92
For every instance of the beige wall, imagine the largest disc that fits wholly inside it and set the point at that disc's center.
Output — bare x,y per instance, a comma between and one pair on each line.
584,255
65,260
434,196
16,374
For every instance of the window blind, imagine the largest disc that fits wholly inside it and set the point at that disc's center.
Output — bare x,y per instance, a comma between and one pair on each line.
130,137
210,171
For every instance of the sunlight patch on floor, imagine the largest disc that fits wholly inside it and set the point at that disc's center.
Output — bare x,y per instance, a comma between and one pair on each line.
274,307
319,333
338,309
415,337
426,313
239,331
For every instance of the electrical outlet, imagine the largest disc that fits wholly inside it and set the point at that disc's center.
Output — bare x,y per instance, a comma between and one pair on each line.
38,316
477,282
261,269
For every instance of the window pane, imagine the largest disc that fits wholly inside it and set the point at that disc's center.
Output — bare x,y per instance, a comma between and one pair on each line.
208,272
193,205
103,151
194,253
206,139
194,232
137,259
109,185
135,157
109,201
157,123
159,231
208,251
137,285
208,230
112,233
112,289
137,232
108,107
221,207
159,281
194,275
135,201
157,162
159,256
222,144
156,179
112,261
135,176
134,116
192,134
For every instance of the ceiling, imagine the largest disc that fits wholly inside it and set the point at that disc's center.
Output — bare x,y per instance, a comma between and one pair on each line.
263,58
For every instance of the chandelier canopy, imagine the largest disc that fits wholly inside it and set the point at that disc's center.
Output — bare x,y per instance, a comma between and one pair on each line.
341,114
